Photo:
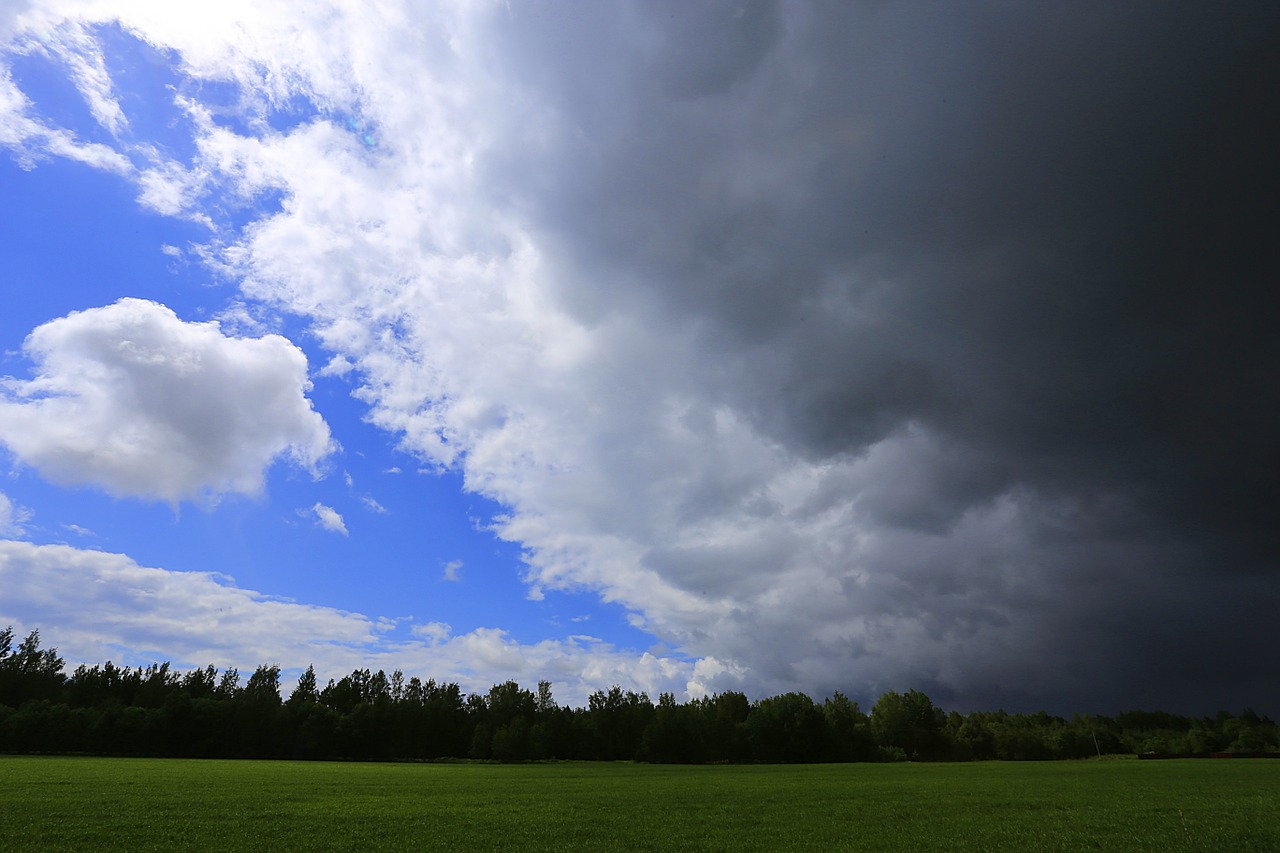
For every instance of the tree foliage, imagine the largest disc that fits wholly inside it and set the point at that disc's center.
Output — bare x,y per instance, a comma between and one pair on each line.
152,710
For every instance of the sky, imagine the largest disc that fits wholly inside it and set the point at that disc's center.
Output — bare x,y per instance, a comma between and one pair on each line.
689,347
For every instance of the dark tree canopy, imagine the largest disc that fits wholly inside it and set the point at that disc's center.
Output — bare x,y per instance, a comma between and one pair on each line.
152,710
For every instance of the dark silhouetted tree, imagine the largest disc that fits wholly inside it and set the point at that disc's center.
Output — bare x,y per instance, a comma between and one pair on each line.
28,672
909,722
848,729
789,728
305,690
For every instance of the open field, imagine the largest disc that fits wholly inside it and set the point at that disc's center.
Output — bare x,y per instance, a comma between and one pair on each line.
167,804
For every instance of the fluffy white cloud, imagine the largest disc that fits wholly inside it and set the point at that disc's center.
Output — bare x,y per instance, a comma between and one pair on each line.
132,399
94,606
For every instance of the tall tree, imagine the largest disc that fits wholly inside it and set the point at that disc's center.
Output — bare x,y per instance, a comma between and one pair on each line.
909,722
305,691
28,672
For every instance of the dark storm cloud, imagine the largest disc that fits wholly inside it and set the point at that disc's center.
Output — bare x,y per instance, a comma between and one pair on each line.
707,48
1042,237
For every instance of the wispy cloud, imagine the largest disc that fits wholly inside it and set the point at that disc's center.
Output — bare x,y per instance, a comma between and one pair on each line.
329,518
12,517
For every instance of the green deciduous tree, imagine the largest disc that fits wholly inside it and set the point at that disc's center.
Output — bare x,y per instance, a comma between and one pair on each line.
909,722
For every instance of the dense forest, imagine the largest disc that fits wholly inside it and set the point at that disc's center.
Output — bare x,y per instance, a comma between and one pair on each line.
156,711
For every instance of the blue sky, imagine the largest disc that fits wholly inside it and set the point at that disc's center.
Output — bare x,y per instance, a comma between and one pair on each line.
418,547
686,347
415,547
406,521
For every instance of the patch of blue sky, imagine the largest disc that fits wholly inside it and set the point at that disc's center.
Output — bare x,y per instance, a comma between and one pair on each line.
224,100
55,100
266,202
395,561
291,114
146,82
583,613
390,563
72,237
421,521
230,108
405,527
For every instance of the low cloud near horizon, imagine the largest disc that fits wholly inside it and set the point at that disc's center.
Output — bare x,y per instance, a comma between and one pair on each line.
846,346
196,619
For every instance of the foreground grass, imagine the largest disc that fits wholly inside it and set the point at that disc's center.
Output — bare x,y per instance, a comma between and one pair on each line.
167,804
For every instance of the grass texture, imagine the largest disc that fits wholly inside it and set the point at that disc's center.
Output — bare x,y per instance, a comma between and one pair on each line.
105,804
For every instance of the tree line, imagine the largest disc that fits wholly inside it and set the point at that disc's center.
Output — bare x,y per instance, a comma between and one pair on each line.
157,711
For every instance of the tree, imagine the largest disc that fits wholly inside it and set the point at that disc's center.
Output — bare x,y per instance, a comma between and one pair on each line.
154,684
507,722
974,739
342,695
508,702
263,686
618,720
229,684
28,673
725,716
676,734
545,703
397,689
848,728
200,683
788,728
909,722
305,691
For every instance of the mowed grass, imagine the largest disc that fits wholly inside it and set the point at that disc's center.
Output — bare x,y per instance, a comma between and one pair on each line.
167,804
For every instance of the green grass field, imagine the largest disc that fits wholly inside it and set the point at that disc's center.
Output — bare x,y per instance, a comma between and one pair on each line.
169,804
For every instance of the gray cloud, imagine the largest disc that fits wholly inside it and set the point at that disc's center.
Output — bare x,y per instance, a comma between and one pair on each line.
1000,256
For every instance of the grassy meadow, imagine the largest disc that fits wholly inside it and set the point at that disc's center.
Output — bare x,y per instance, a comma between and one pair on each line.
169,804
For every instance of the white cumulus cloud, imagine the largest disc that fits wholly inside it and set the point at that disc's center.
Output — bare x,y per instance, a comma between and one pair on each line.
132,399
